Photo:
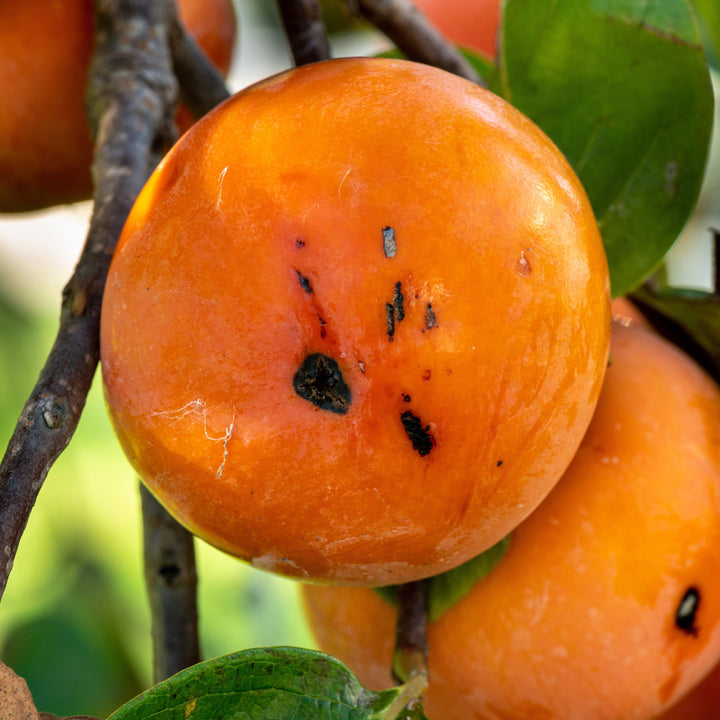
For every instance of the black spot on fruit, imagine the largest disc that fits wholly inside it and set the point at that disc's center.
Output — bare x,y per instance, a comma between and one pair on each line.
395,311
430,319
320,381
686,613
421,437
304,283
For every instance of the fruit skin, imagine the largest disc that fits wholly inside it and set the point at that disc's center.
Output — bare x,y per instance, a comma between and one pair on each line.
472,23
626,313
701,703
579,618
45,49
406,225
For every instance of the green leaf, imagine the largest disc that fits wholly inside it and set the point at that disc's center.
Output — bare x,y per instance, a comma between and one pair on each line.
708,12
623,89
449,587
272,684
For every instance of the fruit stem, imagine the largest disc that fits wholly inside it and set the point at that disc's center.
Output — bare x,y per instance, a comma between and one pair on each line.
411,644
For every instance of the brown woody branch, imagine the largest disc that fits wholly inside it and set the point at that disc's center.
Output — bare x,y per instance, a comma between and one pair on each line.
171,580
414,35
305,30
202,86
130,91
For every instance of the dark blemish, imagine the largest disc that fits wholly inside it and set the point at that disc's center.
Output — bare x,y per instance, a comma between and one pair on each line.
323,329
390,318
398,300
389,245
304,283
406,398
523,265
320,381
395,311
499,463
169,573
421,438
427,375
430,319
299,244
686,612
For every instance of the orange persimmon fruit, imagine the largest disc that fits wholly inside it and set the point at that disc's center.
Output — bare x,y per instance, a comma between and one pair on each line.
701,703
626,313
471,23
357,322
45,49
606,604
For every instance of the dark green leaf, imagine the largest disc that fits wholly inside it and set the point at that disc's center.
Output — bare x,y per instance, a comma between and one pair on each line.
623,89
270,684
449,587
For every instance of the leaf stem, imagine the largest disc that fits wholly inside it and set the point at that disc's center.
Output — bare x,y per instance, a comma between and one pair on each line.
411,692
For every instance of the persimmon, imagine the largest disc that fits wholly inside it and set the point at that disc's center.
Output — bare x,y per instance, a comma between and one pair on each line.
45,49
606,604
625,312
357,322
701,703
472,23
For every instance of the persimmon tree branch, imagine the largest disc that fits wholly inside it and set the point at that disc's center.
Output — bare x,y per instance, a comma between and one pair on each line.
202,86
414,35
171,579
305,30
130,91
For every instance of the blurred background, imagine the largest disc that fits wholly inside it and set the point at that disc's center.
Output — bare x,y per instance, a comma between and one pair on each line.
74,620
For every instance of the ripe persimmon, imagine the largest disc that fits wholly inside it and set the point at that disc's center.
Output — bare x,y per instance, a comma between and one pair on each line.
471,23
701,703
606,604
357,322
626,313
45,48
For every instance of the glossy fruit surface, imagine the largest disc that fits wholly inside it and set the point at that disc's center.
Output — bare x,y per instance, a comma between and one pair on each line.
472,23
606,604
45,48
357,322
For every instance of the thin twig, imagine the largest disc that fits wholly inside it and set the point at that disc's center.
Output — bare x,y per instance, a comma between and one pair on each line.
414,35
171,580
305,30
202,86
130,91
411,642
